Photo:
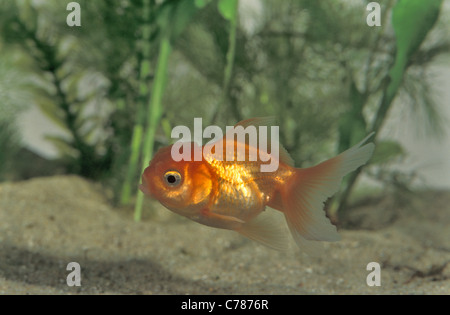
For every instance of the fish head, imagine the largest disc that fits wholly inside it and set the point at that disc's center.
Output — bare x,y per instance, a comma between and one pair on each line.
181,186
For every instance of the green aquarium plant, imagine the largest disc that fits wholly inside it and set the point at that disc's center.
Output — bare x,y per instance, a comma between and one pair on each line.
55,90
12,82
229,10
9,148
171,19
328,77
411,20
144,94
180,12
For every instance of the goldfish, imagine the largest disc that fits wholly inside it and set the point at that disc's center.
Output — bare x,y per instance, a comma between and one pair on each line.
233,193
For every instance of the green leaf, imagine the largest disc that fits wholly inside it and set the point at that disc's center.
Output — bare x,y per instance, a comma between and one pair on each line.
63,146
71,84
201,3
352,124
80,121
411,20
174,16
183,13
385,151
227,8
88,132
51,111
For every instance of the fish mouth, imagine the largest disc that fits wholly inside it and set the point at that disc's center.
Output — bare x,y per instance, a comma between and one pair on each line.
145,190
144,187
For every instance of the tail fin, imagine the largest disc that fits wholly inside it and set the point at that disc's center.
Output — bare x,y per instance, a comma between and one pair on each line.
308,189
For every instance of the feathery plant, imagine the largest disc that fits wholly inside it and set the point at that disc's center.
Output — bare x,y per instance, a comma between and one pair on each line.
229,10
11,81
310,63
171,19
56,90
412,20
144,94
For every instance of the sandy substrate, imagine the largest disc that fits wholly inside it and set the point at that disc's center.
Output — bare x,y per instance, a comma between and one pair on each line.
45,223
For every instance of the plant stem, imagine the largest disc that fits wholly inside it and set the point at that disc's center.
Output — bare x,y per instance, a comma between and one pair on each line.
338,207
144,90
46,56
229,67
154,111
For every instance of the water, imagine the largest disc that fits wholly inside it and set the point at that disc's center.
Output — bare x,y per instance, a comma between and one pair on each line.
429,158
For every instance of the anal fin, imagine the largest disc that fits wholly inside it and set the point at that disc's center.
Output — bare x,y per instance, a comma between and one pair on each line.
267,230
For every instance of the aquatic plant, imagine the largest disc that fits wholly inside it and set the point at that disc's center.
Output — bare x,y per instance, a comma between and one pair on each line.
328,80
412,21
12,82
56,91
172,19
9,147
144,94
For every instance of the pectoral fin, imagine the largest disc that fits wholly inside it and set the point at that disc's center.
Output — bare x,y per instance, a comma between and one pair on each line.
216,220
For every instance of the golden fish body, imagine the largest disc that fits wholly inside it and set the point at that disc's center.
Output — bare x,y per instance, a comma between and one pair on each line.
229,191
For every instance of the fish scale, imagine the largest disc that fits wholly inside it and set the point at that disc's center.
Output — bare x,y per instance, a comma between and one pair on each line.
238,194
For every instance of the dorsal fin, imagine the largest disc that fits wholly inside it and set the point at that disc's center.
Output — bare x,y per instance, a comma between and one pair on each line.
257,121
268,121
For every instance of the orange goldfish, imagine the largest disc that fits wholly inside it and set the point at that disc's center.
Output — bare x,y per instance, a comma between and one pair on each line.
232,194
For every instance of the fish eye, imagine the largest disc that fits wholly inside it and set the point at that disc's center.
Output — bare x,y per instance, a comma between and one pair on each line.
172,178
